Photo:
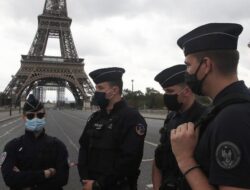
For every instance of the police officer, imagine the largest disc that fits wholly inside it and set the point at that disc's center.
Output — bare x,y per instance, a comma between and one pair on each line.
221,159
180,100
111,145
35,161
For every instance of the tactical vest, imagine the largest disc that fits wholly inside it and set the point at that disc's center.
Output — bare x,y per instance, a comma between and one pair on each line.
103,146
171,174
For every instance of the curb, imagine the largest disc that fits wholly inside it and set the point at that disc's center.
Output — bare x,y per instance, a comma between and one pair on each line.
153,116
9,118
156,118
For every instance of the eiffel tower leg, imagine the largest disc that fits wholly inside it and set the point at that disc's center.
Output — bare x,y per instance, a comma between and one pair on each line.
67,45
39,44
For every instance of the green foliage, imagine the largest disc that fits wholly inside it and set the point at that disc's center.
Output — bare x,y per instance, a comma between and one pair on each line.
152,99
204,100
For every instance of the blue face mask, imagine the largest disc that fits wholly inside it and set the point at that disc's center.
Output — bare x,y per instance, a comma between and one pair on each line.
35,125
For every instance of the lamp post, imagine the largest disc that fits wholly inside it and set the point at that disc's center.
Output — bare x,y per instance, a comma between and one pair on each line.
12,90
132,85
10,102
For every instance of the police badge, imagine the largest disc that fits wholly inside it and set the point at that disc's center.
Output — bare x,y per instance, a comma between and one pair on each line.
228,155
140,129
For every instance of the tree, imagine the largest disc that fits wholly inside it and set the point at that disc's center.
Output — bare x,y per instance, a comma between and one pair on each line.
134,99
153,99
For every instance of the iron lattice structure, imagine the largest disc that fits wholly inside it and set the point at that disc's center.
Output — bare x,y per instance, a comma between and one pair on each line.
37,69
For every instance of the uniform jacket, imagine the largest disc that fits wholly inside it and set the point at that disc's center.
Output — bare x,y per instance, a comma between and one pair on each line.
111,146
32,156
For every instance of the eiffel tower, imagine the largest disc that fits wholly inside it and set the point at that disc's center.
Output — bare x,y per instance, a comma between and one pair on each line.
38,70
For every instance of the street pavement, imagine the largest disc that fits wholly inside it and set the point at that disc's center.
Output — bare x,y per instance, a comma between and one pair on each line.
6,115
67,125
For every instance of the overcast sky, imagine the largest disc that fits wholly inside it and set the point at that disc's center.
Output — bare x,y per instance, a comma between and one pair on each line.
138,35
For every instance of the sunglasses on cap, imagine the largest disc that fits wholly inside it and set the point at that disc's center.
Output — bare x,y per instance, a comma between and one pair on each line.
39,115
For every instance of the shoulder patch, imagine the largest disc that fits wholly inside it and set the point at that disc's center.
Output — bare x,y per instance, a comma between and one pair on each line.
3,156
140,129
228,155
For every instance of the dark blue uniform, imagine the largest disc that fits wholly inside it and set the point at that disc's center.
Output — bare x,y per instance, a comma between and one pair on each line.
111,147
224,148
32,156
164,157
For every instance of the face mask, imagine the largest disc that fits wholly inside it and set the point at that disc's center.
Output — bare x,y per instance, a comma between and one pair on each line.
193,82
171,102
35,124
100,100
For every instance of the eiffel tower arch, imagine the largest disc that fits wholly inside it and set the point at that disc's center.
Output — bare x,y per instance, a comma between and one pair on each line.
37,69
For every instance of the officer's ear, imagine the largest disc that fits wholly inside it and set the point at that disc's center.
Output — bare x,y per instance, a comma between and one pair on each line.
116,90
187,91
208,64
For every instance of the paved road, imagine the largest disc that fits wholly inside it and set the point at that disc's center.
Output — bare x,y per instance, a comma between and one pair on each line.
68,125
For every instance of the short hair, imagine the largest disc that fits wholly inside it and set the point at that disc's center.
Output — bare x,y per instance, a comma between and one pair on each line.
42,108
226,61
183,84
118,83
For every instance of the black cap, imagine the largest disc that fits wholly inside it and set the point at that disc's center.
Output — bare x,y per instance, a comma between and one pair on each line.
107,74
32,104
212,36
171,76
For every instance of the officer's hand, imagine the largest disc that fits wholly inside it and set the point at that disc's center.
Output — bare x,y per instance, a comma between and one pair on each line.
49,172
87,184
183,141
15,169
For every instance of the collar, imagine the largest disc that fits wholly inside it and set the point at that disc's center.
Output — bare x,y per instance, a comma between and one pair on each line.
31,135
186,113
236,87
117,106
191,110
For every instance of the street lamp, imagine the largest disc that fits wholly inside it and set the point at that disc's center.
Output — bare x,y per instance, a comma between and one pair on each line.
12,90
10,97
132,85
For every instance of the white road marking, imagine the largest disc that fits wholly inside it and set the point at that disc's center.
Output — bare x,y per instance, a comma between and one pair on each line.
147,160
150,186
70,115
4,125
65,134
7,124
9,131
153,144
